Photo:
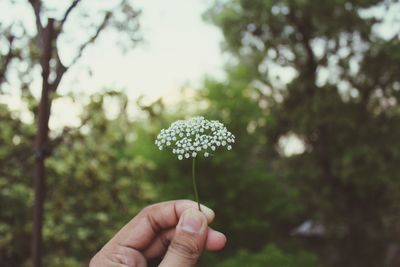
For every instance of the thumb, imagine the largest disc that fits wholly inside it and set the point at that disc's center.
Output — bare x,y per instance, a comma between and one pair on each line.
189,240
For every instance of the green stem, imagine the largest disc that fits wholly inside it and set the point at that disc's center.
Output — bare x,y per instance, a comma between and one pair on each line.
196,195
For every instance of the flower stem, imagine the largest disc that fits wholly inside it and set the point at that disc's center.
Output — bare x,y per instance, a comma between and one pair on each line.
196,195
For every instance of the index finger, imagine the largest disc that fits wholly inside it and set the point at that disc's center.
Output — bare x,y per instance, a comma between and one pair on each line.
144,227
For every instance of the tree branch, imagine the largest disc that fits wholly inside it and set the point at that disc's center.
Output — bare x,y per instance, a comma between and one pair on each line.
67,131
68,12
101,27
305,39
60,70
7,59
37,8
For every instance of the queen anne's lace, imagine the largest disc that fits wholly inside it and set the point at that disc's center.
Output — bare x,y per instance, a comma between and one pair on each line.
189,138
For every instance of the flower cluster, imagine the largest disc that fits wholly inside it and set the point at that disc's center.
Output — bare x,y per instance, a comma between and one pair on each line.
188,138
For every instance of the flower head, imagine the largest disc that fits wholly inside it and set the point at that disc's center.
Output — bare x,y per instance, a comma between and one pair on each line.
189,138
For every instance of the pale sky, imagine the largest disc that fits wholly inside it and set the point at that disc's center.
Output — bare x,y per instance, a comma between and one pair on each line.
178,49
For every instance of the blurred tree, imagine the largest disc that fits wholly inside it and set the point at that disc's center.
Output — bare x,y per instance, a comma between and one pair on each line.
15,190
96,184
271,256
324,75
44,52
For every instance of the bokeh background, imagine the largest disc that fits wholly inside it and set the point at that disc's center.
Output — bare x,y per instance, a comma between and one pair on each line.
310,89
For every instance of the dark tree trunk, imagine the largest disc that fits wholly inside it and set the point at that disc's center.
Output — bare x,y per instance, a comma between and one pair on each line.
41,144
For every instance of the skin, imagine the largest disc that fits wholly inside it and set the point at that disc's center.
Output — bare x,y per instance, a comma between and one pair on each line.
174,230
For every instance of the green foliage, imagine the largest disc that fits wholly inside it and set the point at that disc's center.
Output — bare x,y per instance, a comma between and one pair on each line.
271,256
323,73
15,189
95,184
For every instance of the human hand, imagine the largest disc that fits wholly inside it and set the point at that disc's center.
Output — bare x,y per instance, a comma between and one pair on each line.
175,230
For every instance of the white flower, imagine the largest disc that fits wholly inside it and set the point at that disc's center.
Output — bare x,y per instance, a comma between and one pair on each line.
186,138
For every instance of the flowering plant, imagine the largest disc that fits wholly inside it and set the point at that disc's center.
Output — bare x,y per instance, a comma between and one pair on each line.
193,137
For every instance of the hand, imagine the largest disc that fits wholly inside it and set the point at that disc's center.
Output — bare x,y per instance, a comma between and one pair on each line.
175,230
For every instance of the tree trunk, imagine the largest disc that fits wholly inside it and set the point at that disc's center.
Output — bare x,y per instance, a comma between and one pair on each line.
41,144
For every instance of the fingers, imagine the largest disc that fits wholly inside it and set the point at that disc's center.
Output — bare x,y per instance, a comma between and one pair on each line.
189,240
156,229
215,241
141,230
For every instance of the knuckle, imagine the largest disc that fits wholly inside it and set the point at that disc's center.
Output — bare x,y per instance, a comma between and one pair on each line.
122,256
186,247
147,209
154,208
124,261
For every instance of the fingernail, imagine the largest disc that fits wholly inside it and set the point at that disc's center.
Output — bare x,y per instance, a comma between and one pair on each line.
191,221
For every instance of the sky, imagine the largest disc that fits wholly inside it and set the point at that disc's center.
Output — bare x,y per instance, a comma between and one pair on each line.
177,49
